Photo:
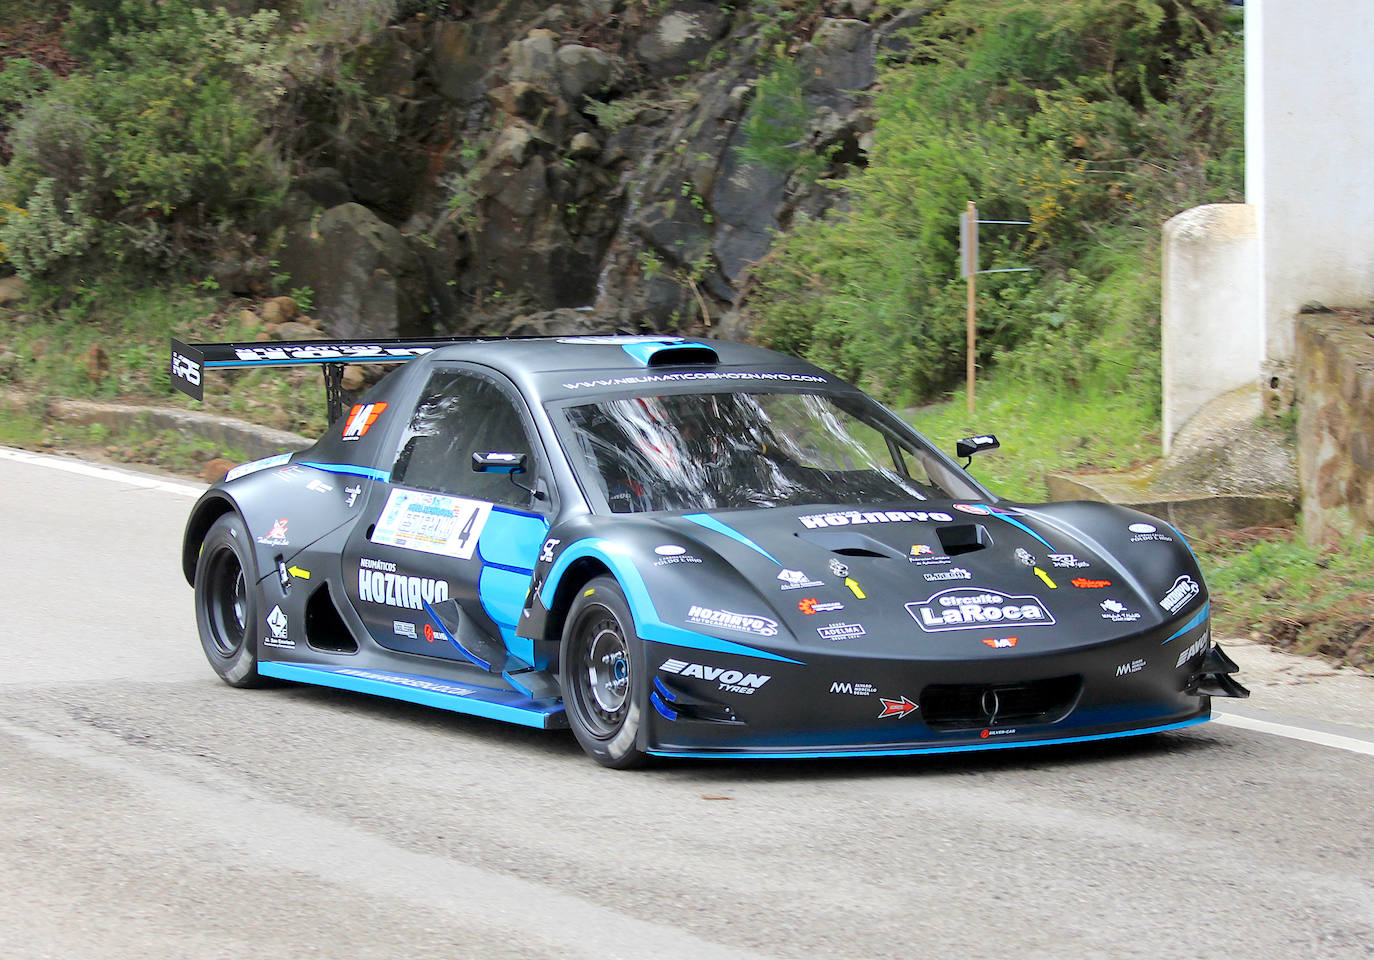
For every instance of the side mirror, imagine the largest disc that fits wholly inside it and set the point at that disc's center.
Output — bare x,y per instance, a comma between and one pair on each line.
968,446
499,462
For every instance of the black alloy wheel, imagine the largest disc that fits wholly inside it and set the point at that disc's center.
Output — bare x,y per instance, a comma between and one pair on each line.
602,672
226,602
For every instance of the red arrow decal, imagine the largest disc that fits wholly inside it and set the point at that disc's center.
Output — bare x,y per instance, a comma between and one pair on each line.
896,708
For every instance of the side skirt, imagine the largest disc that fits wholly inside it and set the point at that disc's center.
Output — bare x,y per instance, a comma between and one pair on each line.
478,701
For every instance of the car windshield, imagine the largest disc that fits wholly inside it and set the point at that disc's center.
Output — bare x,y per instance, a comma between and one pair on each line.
702,451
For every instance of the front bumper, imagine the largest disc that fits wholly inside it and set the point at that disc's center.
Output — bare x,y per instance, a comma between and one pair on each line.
705,704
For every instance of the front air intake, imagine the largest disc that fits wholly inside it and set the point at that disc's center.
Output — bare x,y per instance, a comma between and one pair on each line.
974,706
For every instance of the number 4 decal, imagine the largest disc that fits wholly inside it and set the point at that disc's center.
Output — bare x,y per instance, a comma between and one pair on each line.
432,523
466,532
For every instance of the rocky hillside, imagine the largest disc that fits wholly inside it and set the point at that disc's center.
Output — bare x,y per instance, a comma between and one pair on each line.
545,160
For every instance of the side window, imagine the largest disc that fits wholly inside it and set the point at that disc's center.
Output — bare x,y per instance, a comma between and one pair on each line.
458,414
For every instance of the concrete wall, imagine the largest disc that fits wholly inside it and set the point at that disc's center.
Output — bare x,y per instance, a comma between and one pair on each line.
1309,141
1335,363
1213,341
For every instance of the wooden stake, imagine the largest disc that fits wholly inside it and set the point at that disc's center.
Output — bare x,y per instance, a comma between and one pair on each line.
971,248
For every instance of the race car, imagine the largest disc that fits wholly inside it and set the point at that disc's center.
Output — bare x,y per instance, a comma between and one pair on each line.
682,548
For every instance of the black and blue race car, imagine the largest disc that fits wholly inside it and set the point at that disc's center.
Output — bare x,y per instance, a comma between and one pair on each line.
682,548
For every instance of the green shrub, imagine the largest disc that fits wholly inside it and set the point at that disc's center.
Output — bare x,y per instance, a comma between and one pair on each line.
48,232
778,122
1094,121
161,137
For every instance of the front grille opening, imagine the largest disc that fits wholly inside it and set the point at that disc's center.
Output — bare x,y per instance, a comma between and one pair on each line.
324,628
976,706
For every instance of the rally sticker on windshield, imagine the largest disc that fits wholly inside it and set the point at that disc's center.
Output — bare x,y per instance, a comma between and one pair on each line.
432,523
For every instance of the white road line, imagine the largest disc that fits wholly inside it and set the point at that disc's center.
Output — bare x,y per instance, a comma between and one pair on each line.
1297,733
82,468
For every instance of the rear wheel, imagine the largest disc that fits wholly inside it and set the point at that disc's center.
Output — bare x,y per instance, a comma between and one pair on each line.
601,670
227,602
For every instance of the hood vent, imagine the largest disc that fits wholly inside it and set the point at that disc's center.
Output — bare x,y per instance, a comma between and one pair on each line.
847,543
963,538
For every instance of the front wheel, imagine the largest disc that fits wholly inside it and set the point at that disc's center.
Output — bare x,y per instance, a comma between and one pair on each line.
601,669
227,602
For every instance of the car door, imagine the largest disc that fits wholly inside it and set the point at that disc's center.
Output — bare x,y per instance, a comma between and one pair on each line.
438,530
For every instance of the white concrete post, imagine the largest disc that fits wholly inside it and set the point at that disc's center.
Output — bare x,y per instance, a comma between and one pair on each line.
1212,336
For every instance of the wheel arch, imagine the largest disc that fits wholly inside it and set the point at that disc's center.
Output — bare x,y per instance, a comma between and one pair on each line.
580,572
210,508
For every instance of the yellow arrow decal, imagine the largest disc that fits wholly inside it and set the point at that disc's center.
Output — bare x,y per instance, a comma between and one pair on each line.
853,584
1046,577
298,573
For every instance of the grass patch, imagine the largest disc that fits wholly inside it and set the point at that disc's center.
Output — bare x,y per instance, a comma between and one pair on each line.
1269,585
111,343
24,424
1042,431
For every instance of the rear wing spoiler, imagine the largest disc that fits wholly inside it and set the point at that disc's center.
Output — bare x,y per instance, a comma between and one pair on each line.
190,362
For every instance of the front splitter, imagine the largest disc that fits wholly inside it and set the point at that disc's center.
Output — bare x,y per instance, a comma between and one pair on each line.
766,753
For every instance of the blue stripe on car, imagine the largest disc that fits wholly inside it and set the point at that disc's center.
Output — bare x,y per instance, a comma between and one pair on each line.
1017,523
350,470
1198,618
711,523
642,350
667,712
430,691
647,621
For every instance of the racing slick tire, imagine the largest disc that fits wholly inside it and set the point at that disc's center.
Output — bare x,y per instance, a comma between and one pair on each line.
227,602
602,670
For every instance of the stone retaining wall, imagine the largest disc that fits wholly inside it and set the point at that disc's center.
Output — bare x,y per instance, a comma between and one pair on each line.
1335,389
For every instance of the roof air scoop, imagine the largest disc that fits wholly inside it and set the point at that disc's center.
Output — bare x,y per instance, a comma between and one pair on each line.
672,353
676,356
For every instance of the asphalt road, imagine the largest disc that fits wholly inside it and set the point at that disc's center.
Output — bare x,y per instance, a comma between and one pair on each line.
148,810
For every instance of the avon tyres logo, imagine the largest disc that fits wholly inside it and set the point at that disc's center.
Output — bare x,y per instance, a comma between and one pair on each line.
731,681
967,608
1192,651
360,419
